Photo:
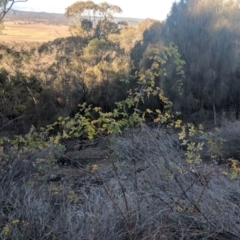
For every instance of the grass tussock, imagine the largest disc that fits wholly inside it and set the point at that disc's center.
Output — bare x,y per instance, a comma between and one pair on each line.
147,191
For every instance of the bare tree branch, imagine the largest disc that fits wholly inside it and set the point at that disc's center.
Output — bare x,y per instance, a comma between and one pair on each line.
6,5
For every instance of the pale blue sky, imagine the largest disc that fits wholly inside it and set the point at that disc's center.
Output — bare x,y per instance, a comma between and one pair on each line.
157,9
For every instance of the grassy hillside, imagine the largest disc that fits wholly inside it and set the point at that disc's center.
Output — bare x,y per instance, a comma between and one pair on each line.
56,18
23,26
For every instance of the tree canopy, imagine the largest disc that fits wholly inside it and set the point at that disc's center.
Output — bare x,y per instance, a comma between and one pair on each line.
197,46
90,18
207,36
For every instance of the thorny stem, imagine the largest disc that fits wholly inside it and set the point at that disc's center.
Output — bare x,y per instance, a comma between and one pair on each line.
135,173
184,192
128,220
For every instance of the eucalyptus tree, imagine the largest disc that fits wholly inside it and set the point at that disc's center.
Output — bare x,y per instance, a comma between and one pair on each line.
106,65
91,19
207,34
102,63
126,38
145,38
83,15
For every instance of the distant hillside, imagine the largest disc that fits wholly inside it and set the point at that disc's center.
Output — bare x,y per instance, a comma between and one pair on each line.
52,18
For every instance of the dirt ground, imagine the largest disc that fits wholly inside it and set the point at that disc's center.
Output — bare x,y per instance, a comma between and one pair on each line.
26,31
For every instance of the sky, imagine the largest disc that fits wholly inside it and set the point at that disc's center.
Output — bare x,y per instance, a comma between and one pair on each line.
156,9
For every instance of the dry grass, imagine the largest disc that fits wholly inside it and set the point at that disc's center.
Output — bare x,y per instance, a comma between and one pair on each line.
32,32
149,193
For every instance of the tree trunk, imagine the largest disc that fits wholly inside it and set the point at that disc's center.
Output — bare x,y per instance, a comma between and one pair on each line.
237,108
214,115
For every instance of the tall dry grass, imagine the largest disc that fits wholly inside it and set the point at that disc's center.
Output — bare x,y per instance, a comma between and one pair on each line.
147,191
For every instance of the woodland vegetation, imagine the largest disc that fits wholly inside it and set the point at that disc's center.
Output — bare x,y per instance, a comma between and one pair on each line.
134,89
90,65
